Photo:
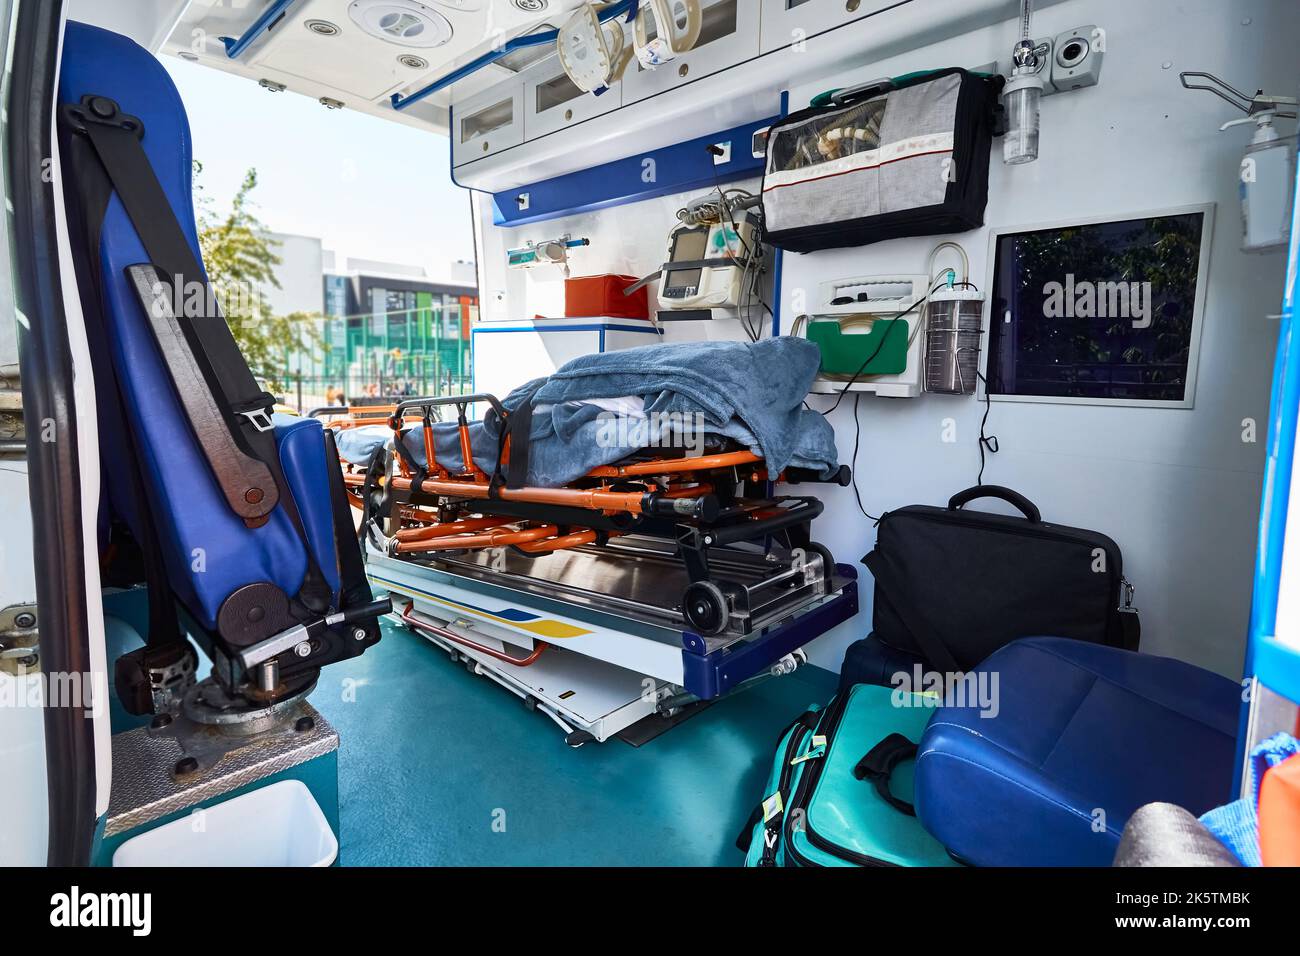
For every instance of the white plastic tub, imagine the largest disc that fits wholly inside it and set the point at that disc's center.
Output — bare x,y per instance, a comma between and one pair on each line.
279,825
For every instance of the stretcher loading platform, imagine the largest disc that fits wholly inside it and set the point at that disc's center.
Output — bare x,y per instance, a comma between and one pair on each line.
599,642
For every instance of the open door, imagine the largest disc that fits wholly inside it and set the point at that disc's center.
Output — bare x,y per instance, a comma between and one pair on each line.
1271,689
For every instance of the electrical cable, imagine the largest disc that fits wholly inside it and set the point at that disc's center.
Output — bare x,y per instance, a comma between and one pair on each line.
986,441
857,438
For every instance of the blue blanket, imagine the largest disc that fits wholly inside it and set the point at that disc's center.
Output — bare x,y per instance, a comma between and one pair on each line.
750,392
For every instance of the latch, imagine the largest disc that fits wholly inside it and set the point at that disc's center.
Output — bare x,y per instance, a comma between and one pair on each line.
19,638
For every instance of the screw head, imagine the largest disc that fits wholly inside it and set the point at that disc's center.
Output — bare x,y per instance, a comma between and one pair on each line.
303,649
254,496
25,620
359,634
186,765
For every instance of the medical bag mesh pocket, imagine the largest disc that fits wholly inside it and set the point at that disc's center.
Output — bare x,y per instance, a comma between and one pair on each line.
900,158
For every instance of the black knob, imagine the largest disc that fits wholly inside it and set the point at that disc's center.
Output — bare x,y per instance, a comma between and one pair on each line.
103,107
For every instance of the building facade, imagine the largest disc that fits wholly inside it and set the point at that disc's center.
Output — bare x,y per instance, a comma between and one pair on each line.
377,328
392,332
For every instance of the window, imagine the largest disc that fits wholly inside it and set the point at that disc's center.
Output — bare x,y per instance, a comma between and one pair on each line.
1103,312
556,92
487,120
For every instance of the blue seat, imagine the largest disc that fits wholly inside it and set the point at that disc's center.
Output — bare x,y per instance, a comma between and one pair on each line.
1082,736
209,551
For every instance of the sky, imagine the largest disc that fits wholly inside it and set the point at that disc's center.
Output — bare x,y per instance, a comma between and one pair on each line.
368,188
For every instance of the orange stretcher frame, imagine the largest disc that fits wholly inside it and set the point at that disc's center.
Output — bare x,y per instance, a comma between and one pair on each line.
679,488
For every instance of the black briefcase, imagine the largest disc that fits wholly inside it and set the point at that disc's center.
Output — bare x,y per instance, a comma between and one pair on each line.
952,586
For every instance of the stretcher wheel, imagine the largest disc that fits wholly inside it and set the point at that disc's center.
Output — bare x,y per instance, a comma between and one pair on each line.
578,738
705,608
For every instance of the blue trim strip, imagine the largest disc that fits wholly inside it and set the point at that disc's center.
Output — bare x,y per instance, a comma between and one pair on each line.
510,46
235,48
779,259
1284,408
711,675
681,167
1278,668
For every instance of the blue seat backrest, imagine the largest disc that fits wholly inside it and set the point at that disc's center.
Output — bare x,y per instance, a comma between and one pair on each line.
209,551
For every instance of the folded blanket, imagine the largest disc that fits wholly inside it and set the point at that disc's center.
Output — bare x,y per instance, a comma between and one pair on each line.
750,392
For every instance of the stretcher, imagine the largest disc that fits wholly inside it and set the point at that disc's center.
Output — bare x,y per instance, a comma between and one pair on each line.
688,569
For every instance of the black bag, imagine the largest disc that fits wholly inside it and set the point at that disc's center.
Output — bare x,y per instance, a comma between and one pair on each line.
893,158
953,586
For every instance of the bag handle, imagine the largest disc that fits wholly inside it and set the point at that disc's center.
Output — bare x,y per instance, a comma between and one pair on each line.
1015,498
852,94
879,764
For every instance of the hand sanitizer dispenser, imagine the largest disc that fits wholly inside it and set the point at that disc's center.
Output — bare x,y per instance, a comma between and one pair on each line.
1267,181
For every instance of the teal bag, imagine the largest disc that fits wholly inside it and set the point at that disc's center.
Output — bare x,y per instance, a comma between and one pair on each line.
839,786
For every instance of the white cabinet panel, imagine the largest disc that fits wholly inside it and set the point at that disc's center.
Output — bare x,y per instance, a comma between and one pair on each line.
734,22
552,101
789,21
488,123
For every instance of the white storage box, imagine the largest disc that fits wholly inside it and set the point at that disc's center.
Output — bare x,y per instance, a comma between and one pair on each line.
279,825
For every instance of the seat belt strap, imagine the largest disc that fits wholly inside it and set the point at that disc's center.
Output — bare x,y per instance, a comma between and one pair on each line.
116,139
521,430
246,408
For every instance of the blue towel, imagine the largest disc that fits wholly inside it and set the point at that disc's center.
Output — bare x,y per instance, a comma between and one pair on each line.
750,392
1237,824
356,445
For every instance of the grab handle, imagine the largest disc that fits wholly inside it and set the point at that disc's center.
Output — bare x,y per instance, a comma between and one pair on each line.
1025,506
460,401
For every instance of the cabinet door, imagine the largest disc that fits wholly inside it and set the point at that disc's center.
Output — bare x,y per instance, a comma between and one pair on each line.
488,122
552,101
789,21
729,36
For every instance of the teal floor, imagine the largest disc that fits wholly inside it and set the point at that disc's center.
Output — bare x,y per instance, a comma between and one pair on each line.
440,767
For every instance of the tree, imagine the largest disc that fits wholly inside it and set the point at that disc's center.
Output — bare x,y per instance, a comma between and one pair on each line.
241,260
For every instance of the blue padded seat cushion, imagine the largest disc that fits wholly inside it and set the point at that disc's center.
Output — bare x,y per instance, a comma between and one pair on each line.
196,528
1083,736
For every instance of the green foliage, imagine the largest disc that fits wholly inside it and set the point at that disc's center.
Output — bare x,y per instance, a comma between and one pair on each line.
241,259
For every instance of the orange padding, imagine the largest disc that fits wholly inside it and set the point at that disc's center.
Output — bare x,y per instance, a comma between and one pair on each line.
1279,814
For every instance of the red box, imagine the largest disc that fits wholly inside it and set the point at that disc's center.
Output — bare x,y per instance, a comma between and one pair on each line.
589,297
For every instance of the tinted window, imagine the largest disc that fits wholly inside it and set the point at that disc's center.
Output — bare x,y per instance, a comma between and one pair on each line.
1101,311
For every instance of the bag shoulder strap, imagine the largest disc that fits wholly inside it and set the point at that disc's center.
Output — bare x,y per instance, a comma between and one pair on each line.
935,650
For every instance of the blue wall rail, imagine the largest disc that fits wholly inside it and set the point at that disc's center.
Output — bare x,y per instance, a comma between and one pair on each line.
1276,666
524,42
272,16
681,167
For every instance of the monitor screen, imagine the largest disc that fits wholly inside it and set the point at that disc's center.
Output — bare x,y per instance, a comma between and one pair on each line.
688,245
